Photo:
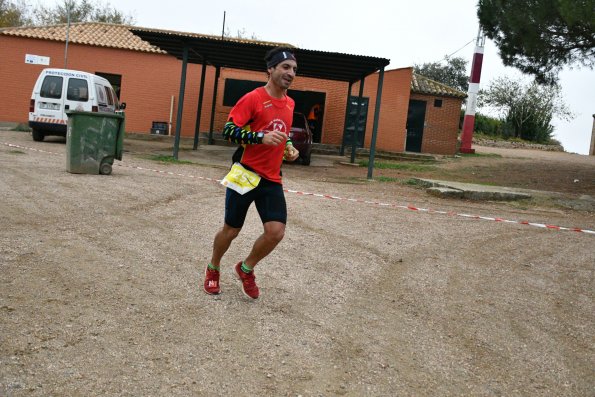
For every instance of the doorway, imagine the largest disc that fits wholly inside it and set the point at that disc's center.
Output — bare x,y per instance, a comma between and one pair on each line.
416,116
311,104
351,118
114,79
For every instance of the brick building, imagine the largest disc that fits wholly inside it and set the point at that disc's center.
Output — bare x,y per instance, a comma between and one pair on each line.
417,114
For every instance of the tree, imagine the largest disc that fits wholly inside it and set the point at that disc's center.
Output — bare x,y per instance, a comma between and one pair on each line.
526,108
453,73
240,34
539,37
13,14
80,11
19,13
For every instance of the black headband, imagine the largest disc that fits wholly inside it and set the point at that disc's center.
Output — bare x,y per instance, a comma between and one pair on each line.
280,57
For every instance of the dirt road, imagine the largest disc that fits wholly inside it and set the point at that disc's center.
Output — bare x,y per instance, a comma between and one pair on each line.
100,288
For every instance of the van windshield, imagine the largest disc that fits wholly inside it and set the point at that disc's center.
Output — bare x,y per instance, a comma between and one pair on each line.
78,90
51,87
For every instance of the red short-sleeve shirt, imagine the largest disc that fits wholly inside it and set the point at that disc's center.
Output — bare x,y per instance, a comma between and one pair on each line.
258,111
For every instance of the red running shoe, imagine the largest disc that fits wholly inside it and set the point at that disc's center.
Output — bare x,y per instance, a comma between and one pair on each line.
248,282
211,284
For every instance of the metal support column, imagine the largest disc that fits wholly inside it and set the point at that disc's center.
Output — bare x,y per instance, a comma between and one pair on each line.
181,102
201,93
357,116
217,73
342,152
375,128
592,149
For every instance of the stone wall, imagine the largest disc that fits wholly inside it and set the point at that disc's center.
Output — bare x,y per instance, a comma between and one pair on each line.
517,145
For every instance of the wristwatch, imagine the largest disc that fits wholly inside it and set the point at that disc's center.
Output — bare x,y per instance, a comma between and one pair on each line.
259,137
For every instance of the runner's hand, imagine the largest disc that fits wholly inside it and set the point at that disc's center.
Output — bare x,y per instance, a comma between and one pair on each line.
291,153
274,138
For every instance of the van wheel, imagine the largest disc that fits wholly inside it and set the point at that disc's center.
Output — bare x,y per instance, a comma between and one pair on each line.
38,135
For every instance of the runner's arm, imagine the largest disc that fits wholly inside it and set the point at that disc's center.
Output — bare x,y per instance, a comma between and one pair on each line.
239,135
235,134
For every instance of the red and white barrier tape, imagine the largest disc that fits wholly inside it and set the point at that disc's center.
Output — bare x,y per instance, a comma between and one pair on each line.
203,178
451,213
376,203
27,148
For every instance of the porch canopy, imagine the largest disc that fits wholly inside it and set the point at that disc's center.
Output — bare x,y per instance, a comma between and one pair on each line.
249,55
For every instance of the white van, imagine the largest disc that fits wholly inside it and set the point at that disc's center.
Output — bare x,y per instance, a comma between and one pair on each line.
59,90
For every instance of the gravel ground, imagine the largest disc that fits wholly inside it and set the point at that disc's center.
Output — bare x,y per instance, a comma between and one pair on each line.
100,287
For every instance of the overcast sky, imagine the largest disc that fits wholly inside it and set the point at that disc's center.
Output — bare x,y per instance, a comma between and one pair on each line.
406,32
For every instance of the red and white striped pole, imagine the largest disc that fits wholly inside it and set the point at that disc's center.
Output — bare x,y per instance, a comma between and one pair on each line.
469,120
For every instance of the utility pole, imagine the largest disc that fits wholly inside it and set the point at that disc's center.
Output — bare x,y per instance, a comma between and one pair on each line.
68,5
223,30
469,120
592,149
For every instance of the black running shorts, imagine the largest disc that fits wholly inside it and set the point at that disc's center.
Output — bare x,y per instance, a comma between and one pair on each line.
267,196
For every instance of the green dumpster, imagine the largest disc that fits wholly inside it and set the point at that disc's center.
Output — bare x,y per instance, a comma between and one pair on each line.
93,141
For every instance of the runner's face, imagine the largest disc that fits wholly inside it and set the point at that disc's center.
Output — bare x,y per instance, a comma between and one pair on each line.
283,74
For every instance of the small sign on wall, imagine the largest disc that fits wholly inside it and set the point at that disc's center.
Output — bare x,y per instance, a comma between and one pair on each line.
36,60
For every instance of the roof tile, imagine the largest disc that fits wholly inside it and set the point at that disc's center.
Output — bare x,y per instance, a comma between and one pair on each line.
423,85
110,35
89,33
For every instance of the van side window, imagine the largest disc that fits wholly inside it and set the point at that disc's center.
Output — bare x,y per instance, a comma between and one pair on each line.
110,99
101,98
51,87
115,98
78,90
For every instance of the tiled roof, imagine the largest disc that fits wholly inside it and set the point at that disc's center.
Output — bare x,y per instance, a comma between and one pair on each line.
89,33
119,36
211,37
108,35
423,85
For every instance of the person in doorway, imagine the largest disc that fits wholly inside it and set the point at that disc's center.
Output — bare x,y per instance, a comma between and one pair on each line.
313,118
260,123
314,113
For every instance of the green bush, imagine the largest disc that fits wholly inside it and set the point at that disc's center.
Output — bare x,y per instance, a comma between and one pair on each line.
488,125
485,125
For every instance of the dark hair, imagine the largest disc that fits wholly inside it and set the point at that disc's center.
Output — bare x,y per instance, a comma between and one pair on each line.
271,54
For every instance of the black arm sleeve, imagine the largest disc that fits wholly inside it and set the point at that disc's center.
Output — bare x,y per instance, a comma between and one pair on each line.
235,134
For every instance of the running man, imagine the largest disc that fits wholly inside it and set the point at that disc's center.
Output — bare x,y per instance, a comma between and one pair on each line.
260,123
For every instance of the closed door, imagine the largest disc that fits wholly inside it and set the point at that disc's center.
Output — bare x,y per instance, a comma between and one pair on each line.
416,116
351,121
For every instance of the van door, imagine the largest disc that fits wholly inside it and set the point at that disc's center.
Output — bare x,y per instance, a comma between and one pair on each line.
77,95
49,107
105,100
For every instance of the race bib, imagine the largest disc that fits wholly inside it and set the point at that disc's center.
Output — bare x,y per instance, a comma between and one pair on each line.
240,179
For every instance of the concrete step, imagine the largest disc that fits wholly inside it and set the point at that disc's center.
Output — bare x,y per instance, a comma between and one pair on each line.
320,148
471,191
317,148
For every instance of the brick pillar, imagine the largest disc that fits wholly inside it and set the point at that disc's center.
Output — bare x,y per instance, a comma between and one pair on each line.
592,150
